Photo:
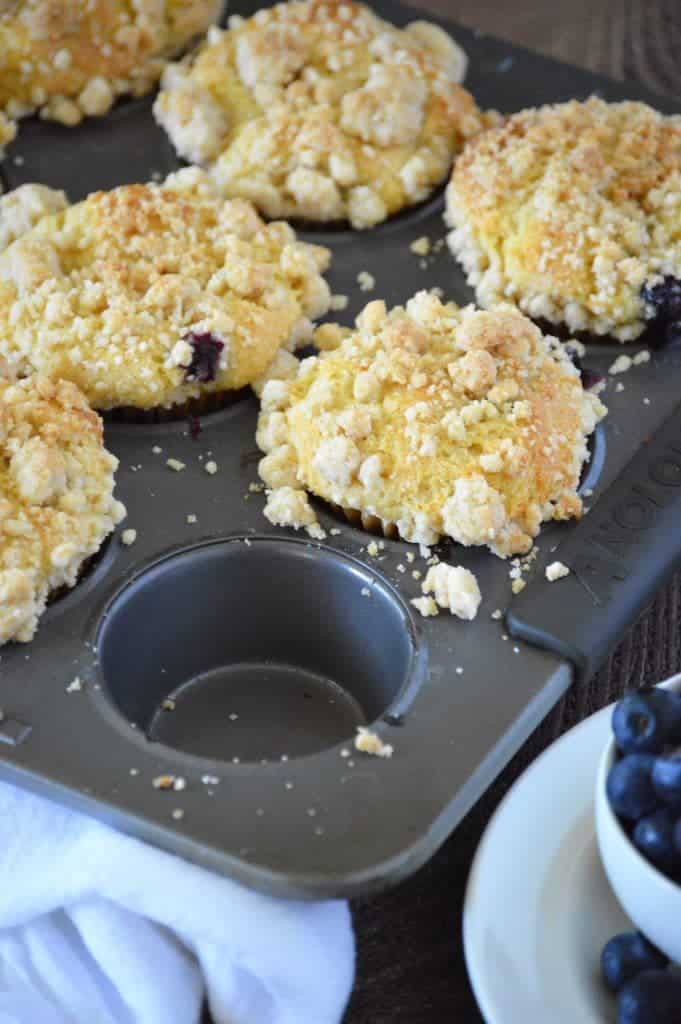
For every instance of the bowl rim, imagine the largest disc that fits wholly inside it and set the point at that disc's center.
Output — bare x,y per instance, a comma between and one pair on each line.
672,683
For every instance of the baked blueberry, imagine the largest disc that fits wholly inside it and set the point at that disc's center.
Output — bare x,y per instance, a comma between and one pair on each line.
644,722
627,955
206,349
663,303
652,997
630,787
654,837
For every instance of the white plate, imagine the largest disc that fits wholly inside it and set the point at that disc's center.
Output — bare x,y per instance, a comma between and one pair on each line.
538,906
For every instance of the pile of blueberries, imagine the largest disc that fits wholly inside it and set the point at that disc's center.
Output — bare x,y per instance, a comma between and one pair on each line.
644,790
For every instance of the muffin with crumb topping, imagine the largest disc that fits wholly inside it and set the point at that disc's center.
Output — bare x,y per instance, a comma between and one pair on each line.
320,110
70,60
433,420
56,496
149,296
573,212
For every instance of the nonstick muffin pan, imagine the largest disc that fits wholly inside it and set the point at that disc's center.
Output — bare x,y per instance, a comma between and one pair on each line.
237,661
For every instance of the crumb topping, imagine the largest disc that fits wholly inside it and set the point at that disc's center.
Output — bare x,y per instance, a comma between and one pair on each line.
454,589
321,110
569,210
405,421
369,742
56,496
152,294
21,209
73,60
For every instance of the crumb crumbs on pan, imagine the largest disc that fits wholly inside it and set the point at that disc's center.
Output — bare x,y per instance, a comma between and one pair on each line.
369,742
134,771
345,752
454,589
426,606
210,780
646,401
401,568
178,814
556,571
619,386
338,303
410,556
168,704
421,246
156,450
366,281
459,670
168,782
335,532
622,364
497,614
129,537
211,467
365,592
256,488
641,357
518,585
75,686
191,518
372,549
175,465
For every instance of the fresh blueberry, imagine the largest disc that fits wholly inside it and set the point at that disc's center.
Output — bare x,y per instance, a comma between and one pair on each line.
644,722
630,787
652,997
206,349
627,955
666,776
654,837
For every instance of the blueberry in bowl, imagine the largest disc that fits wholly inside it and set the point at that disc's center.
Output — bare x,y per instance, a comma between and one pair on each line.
638,826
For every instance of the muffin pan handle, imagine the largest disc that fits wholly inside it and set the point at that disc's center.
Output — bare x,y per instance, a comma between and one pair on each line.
618,557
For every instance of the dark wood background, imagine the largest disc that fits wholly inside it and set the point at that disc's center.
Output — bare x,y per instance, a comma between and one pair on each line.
410,967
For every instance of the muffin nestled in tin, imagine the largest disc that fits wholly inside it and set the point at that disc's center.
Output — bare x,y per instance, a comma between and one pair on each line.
56,496
573,212
148,296
320,110
435,420
69,60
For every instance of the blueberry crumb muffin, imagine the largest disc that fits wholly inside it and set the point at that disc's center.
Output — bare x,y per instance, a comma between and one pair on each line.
320,110
56,496
148,296
434,419
67,59
573,212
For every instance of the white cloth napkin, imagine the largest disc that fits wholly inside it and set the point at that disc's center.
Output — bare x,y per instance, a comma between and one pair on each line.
98,928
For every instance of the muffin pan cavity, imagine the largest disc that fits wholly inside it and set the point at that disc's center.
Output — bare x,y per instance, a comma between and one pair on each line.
252,649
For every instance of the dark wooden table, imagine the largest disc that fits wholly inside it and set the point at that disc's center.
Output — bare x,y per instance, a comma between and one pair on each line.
410,957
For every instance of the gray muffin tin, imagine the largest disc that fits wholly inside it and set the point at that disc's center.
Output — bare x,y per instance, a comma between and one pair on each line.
272,647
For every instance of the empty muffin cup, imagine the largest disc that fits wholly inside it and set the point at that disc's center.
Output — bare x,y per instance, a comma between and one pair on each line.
255,649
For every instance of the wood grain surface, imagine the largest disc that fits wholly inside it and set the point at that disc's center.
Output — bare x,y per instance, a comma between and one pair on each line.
626,39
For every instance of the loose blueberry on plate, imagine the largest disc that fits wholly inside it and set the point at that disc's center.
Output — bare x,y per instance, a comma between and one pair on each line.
654,837
627,955
630,787
644,722
652,997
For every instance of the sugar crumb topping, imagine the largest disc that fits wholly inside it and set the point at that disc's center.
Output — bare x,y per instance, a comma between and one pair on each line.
435,420
568,210
321,110
56,496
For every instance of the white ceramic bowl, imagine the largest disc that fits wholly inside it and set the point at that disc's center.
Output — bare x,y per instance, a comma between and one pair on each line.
650,899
